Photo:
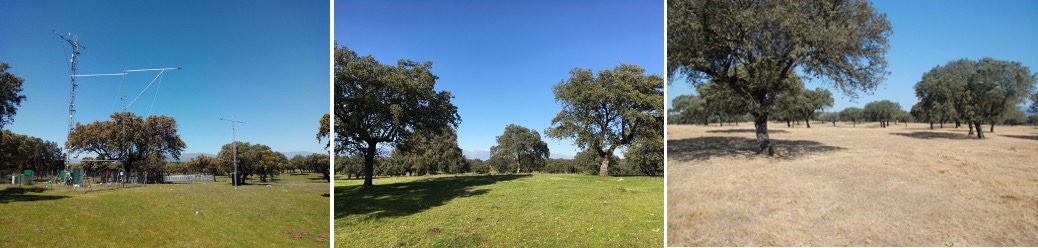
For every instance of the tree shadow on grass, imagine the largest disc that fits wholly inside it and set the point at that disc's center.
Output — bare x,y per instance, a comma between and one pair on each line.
16,194
407,198
704,148
743,131
1030,137
931,135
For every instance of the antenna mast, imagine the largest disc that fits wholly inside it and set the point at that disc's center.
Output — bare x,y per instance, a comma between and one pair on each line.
74,41
234,150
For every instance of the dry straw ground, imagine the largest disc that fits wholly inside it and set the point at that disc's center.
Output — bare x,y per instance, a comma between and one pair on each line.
852,186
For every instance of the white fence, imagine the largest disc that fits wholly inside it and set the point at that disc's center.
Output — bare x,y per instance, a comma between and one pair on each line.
188,178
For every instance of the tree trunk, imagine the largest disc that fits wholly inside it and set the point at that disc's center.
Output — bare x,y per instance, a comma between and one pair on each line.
980,130
808,122
958,124
992,126
760,123
931,125
970,125
603,170
369,163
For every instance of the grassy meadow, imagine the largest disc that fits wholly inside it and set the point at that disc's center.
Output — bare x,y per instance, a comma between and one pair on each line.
164,215
538,210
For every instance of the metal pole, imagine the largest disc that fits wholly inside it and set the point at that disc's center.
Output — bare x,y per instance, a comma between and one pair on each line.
234,149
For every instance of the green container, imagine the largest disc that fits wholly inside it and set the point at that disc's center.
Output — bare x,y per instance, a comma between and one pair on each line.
63,175
77,175
27,173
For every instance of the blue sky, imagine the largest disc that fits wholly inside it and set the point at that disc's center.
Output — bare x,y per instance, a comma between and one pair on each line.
928,33
264,62
501,58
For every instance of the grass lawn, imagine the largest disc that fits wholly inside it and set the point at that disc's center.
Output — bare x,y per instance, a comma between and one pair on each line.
539,210
163,215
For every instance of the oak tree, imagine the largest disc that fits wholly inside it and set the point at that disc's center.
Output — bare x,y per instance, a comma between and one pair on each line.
129,138
378,104
842,42
608,111
521,147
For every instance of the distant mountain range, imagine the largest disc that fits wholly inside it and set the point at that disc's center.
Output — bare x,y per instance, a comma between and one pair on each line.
485,154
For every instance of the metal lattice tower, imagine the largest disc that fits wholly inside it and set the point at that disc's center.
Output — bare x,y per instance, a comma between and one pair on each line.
74,41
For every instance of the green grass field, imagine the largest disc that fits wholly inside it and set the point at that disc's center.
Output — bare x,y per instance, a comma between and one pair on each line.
163,215
539,210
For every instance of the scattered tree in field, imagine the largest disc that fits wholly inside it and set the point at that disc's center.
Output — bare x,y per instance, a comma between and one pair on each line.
1000,85
608,111
936,100
351,166
380,104
689,109
882,111
319,163
789,103
977,91
852,114
829,117
206,164
1032,120
253,159
841,41
432,153
521,147
722,101
812,101
479,166
129,138
23,152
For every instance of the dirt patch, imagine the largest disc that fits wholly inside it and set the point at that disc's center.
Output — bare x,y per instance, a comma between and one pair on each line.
852,186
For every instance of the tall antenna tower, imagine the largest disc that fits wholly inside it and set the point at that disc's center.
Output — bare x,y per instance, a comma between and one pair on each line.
234,149
74,41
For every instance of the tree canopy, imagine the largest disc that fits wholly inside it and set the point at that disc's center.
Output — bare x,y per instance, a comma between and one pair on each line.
22,152
521,147
755,46
10,97
432,153
253,159
380,104
129,138
882,111
607,111
973,91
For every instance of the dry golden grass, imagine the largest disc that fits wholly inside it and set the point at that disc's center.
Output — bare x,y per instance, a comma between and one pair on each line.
852,186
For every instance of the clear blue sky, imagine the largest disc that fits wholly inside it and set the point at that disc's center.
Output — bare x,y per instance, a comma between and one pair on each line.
264,62
501,58
928,33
